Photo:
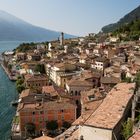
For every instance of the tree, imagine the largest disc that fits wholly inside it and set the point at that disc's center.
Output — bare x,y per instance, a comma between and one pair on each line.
9,67
20,84
123,75
132,30
127,80
19,81
137,80
127,129
25,47
66,124
19,77
40,68
20,88
52,125
30,129
137,119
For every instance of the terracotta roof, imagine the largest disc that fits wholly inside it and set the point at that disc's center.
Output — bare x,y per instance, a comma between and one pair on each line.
74,135
59,65
71,133
86,96
39,77
100,59
44,138
70,57
59,105
30,106
49,90
111,110
113,69
81,64
110,80
135,136
25,93
20,53
83,56
33,54
29,63
124,46
90,108
79,82
50,105
87,74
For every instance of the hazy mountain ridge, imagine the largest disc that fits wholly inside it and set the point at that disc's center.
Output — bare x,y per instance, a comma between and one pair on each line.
15,29
133,15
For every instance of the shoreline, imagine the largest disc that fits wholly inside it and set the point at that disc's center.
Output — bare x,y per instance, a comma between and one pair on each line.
7,134
12,78
14,131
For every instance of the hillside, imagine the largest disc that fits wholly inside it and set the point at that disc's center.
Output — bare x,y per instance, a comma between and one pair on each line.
133,15
130,30
15,29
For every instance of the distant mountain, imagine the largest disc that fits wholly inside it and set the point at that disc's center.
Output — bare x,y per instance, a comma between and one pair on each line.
133,15
15,29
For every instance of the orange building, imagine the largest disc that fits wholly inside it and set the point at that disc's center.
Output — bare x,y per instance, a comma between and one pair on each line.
36,80
39,109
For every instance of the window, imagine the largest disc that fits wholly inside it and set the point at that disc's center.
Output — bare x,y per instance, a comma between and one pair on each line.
76,93
62,118
71,92
91,97
41,112
46,119
33,120
40,120
64,85
72,120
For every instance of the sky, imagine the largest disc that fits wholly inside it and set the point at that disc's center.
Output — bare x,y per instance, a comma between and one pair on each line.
77,17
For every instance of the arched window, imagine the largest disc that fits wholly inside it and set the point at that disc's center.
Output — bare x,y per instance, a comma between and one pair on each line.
76,93
71,93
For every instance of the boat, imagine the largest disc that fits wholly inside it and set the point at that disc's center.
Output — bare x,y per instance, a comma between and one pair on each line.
14,103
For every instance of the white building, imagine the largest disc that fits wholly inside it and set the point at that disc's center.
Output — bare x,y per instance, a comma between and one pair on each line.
100,63
59,73
114,39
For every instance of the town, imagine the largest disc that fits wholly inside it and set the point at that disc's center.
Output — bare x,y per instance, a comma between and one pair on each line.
81,88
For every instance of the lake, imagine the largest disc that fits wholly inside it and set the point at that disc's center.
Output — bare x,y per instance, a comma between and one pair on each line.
7,94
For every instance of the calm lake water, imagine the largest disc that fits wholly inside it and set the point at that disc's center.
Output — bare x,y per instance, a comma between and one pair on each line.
7,94
8,45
